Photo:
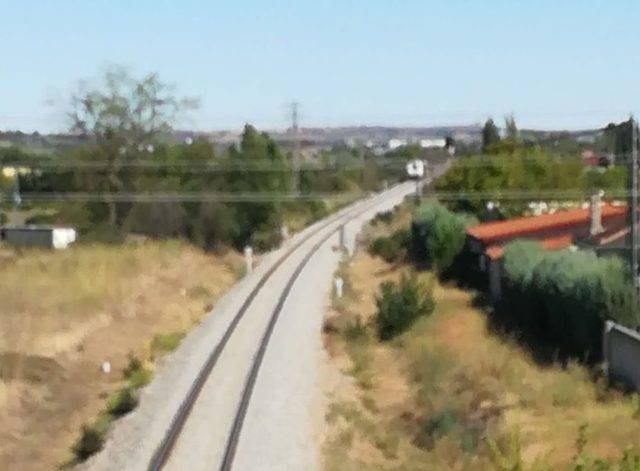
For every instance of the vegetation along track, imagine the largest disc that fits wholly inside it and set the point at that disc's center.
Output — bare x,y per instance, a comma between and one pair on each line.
164,451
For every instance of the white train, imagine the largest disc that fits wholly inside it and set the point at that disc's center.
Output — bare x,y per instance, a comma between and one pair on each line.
415,169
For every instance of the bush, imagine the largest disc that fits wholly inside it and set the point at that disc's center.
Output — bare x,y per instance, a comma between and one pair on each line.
166,342
136,374
384,217
91,439
392,248
355,331
40,218
561,299
266,239
122,402
399,305
438,235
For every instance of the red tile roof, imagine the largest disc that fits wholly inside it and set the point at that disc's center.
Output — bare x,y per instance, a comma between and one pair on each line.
563,241
492,232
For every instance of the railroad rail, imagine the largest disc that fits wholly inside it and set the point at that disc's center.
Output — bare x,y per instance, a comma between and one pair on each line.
163,453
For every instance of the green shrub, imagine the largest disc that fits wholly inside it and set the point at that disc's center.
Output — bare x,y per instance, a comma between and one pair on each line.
392,248
561,299
355,331
136,374
438,235
167,342
266,239
91,438
399,305
384,217
122,402
41,218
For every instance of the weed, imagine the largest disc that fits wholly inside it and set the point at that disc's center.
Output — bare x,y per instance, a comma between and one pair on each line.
136,374
199,291
399,305
440,424
91,438
166,342
360,354
369,403
356,331
506,454
122,402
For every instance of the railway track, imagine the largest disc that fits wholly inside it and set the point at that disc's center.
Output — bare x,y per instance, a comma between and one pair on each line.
192,415
326,230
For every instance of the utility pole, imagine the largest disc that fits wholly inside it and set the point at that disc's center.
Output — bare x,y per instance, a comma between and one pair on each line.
296,150
633,206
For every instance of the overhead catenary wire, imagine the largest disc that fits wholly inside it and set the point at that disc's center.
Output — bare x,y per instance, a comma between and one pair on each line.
252,197
267,166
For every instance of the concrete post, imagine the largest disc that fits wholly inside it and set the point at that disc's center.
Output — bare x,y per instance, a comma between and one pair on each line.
338,285
343,237
248,259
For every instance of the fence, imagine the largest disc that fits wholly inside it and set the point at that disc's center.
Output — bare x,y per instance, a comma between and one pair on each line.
621,350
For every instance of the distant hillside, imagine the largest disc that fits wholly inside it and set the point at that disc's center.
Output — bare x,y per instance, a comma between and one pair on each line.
37,142
469,135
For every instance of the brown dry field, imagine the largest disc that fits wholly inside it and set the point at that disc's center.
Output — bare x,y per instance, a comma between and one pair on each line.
62,314
381,393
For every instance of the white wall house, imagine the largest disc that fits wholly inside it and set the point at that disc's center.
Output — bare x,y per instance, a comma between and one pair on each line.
395,143
437,143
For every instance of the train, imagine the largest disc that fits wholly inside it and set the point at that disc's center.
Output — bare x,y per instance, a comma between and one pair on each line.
415,169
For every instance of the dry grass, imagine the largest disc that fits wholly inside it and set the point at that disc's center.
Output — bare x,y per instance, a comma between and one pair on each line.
64,313
448,394
391,222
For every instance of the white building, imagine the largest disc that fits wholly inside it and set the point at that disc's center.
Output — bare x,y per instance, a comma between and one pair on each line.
437,143
395,143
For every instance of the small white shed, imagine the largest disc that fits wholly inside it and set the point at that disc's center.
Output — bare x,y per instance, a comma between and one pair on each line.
38,236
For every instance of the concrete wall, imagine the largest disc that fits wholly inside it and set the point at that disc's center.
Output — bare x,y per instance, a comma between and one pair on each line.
621,350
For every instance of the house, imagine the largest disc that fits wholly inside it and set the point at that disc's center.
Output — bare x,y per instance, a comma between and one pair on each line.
437,143
556,231
590,158
396,143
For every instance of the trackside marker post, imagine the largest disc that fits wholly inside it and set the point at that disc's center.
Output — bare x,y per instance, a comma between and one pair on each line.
248,258
338,284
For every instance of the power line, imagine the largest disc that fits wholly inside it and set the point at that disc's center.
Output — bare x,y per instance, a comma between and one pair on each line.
164,196
180,197
386,162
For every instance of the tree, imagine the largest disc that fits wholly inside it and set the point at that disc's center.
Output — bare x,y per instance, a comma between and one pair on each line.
618,137
511,128
257,221
490,134
121,119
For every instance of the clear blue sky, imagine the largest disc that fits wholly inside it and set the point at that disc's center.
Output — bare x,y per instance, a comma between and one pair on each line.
553,63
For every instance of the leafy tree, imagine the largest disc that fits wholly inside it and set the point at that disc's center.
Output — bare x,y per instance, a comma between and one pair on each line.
560,299
257,151
438,235
490,134
511,128
618,137
525,169
122,118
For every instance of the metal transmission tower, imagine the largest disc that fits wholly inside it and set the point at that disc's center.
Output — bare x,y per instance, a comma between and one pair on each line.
633,203
296,151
